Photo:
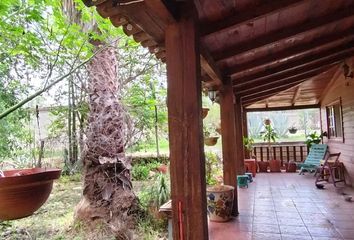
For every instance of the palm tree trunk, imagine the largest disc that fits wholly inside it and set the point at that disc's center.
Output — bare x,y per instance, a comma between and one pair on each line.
107,187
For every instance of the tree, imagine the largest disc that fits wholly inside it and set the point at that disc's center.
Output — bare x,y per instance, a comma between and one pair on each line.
107,188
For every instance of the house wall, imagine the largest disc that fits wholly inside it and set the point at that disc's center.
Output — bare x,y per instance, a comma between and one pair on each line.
344,89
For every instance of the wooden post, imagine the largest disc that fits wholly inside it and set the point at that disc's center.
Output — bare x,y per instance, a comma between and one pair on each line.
188,188
229,143
239,137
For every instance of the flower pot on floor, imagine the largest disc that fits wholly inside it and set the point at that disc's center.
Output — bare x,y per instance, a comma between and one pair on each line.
210,141
263,166
24,191
274,165
220,200
290,166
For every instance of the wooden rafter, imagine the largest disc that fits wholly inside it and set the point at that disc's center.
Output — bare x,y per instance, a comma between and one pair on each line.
280,81
344,36
248,100
296,95
335,76
282,108
210,68
274,37
240,18
299,65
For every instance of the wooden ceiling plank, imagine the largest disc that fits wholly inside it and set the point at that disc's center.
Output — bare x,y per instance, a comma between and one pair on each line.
282,108
293,67
240,18
296,95
283,34
296,50
265,86
248,100
335,76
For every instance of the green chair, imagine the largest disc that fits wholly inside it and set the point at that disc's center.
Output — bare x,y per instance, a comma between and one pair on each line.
312,162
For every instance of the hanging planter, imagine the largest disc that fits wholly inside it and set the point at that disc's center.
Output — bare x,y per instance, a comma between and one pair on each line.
210,141
205,112
292,130
220,200
24,191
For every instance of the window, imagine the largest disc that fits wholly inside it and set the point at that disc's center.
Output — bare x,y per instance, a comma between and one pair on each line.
335,120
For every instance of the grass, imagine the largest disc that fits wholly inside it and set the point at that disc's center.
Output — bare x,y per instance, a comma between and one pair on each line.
55,219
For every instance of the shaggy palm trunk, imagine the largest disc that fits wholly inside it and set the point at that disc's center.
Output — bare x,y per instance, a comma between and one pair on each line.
107,194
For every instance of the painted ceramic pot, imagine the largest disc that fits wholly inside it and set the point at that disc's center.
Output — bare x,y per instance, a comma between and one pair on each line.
24,191
219,202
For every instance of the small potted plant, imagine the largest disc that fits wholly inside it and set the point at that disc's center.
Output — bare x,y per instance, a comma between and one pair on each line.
292,130
269,135
210,136
313,138
219,197
248,143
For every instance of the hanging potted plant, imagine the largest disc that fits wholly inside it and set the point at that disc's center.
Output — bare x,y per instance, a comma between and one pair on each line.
292,130
205,111
210,136
269,135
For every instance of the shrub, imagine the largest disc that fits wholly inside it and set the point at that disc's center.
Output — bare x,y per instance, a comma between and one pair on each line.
140,172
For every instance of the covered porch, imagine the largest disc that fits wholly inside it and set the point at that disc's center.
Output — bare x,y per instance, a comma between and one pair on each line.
256,55
287,206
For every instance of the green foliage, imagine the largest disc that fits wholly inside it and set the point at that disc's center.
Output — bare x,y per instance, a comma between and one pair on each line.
269,134
151,198
213,168
140,172
248,142
313,138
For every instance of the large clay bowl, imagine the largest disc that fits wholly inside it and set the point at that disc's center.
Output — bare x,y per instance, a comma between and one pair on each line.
24,191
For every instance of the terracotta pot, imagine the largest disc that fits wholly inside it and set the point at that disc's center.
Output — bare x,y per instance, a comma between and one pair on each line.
210,141
220,200
274,165
205,112
162,168
263,166
24,191
290,167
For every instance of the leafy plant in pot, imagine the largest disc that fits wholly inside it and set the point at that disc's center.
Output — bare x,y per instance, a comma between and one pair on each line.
248,143
219,197
313,138
210,136
269,135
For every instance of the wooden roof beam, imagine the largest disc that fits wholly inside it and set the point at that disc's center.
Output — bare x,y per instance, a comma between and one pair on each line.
210,68
278,80
279,35
240,18
248,100
282,108
296,95
270,84
299,65
301,49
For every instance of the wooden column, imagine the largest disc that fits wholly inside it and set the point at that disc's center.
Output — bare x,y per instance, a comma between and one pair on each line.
239,137
229,143
188,188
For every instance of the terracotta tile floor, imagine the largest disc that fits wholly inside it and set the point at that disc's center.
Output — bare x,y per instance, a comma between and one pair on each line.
288,206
